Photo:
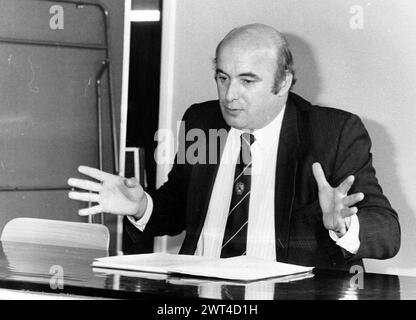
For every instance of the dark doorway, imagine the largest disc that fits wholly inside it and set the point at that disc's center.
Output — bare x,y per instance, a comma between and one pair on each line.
143,109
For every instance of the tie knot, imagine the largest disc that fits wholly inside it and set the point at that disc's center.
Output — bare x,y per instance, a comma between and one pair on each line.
247,138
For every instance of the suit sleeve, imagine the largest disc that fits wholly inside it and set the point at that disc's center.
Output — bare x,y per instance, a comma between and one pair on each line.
169,201
379,224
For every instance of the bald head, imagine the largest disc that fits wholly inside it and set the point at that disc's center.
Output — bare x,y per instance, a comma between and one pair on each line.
253,36
261,37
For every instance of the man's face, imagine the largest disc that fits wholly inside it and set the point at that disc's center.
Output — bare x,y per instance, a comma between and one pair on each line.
245,80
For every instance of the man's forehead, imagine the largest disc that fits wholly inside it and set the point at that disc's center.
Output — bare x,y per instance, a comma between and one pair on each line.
248,43
255,64
245,55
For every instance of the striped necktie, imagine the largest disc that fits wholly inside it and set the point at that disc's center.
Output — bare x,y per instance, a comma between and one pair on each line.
235,236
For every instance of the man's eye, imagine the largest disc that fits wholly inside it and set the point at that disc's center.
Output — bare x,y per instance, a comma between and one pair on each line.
221,79
247,82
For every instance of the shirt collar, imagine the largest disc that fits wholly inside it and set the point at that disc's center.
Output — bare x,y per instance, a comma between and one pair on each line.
265,137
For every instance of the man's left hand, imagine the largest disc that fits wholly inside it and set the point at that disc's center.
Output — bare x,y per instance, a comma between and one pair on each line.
336,205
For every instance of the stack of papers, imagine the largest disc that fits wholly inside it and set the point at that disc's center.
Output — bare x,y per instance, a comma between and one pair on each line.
242,268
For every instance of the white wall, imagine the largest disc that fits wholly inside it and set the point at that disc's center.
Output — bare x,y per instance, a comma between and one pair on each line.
369,71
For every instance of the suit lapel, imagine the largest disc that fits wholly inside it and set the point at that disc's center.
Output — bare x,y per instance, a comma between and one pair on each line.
202,183
286,168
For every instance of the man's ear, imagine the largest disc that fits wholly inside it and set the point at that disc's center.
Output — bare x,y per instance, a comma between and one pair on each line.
285,85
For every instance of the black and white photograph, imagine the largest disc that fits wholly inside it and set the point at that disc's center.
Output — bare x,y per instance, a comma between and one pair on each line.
209,158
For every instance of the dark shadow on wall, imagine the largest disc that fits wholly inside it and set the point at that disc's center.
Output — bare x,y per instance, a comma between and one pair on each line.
383,148
306,68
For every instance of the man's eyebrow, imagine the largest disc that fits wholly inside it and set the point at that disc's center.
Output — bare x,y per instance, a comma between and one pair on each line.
244,74
218,70
250,75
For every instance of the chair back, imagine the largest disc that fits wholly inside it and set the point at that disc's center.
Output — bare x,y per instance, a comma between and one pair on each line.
57,233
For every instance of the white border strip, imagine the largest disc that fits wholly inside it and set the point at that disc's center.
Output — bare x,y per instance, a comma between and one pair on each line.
123,115
166,95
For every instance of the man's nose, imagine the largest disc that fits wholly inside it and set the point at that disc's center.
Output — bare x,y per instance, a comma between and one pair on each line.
232,92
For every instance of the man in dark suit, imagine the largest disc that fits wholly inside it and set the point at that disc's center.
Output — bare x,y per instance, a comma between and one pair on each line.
288,209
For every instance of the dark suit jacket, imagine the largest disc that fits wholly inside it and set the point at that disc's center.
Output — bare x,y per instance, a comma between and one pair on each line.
334,138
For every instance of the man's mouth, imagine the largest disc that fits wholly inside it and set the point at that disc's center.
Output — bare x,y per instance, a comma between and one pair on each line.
233,110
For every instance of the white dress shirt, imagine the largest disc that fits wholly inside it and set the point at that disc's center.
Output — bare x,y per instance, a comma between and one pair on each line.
261,222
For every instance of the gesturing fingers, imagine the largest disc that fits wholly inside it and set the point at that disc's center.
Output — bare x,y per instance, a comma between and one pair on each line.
89,211
131,183
348,212
319,175
83,196
352,199
84,184
95,173
345,185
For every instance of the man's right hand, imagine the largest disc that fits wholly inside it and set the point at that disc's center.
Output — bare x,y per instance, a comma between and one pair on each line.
114,194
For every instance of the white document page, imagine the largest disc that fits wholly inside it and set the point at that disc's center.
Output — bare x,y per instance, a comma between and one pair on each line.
241,268
148,262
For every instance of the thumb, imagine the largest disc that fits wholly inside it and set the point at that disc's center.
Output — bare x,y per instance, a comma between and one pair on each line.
319,176
131,182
